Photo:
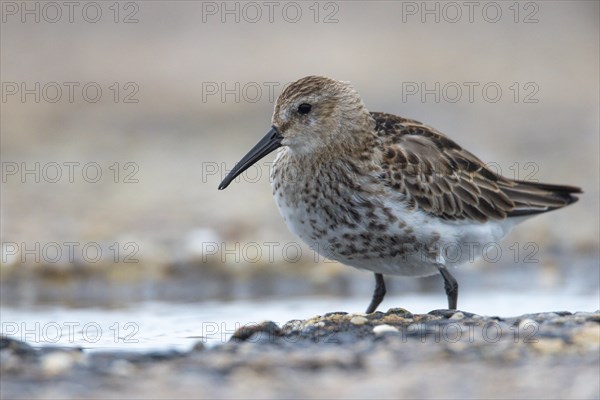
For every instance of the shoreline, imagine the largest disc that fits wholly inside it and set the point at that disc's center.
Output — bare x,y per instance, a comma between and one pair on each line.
391,355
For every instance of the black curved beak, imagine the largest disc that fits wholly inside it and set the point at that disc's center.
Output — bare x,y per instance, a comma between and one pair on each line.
267,144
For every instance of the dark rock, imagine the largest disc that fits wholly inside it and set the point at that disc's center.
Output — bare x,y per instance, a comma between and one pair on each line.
331,314
268,328
400,311
442,313
16,347
199,346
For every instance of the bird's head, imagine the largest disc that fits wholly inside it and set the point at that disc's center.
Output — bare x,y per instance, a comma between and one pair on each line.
313,114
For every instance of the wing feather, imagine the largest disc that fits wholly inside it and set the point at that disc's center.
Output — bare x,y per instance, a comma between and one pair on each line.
441,178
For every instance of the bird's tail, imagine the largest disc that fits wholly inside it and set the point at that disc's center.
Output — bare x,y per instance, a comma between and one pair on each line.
532,198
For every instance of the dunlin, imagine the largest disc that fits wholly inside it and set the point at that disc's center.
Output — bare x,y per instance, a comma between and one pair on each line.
384,193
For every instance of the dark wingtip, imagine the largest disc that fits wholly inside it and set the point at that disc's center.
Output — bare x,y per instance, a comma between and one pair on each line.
566,193
554,193
572,199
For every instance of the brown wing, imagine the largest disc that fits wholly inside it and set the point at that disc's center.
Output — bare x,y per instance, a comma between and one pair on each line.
438,176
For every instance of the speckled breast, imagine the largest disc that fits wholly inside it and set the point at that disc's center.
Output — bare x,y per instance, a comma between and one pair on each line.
344,218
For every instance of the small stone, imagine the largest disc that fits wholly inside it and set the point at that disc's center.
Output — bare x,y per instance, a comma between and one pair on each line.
382,329
57,362
198,346
400,312
292,326
268,328
458,315
358,320
444,313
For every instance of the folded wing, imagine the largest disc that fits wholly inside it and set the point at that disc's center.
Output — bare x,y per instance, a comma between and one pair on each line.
440,177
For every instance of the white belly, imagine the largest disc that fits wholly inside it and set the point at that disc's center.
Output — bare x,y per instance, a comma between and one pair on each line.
409,246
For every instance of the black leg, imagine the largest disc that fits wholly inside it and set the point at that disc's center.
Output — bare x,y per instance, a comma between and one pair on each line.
378,294
451,286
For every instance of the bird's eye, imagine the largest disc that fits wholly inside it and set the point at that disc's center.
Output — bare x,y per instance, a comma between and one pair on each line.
304,108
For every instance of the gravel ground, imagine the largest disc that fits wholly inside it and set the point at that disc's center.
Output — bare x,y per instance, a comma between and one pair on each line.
442,354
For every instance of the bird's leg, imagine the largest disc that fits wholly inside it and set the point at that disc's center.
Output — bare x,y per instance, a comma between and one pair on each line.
451,286
378,294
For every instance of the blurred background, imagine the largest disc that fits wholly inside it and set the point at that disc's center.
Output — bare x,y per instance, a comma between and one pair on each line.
119,120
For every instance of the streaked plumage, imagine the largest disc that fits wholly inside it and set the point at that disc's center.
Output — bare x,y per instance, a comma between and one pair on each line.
444,179
379,192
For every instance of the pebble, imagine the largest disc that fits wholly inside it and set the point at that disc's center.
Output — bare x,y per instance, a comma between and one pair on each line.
401,312
265,329
381,329
358,320
458,315
199,346
58,362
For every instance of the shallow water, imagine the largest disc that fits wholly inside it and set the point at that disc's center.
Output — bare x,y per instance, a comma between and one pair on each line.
178,326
